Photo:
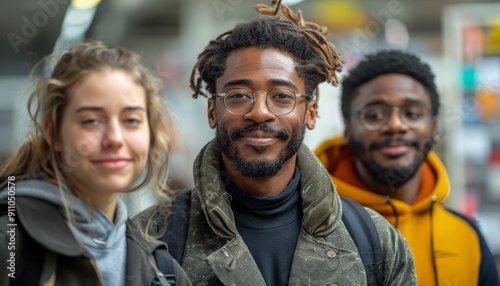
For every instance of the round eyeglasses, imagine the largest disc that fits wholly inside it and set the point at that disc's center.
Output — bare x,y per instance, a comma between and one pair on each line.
280,101
375,117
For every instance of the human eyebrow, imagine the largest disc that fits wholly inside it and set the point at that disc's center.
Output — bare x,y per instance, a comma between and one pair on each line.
249,82
375,103
133,108
415,102
237,82
89,108
101,109
283,82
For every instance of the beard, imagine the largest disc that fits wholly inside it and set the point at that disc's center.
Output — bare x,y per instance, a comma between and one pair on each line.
395,176
263,168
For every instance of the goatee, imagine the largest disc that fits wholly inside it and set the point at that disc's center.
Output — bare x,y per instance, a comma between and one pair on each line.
263,168
397,176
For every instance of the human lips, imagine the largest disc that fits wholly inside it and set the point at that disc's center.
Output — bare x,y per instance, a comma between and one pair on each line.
112,163
394,150
394,147
259,138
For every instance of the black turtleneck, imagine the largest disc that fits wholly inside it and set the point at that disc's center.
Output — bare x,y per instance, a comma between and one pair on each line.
270,226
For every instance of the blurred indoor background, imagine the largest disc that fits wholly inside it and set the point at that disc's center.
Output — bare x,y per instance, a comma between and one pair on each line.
459,39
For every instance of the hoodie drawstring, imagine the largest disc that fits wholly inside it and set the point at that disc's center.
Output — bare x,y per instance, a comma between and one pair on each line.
388,201
433,202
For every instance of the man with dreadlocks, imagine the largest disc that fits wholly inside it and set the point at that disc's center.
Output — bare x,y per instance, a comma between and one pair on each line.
384,161
263,210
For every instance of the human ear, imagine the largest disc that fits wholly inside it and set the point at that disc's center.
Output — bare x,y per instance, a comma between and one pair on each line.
47,135
347,130
212,118
436,137
311,114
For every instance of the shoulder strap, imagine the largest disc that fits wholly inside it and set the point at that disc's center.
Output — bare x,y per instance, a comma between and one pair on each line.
177,226
49,269
362,229
163,267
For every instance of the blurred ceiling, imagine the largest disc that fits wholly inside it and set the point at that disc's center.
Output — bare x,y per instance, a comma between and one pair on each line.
30,28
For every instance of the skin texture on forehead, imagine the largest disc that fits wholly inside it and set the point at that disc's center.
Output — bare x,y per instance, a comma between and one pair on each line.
249,63
388,84
259,148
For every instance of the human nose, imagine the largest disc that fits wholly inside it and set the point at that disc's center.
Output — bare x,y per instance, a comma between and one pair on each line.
395,122
260,111
112,136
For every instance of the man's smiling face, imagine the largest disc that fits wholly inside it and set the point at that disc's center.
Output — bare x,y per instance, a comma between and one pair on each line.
259,142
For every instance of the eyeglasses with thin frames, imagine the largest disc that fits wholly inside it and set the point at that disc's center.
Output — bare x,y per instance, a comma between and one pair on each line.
280,101
375,117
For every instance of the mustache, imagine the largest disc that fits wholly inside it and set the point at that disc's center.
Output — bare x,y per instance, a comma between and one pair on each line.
394,140
280,133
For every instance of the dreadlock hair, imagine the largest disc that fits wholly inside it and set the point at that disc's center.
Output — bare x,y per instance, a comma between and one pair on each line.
278,27
385,62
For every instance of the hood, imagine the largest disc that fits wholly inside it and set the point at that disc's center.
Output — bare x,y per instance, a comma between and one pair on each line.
317,191
47,192
84,220
336,155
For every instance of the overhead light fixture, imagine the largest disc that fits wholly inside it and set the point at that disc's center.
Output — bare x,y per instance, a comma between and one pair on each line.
396,34
292,2
84,4
78,18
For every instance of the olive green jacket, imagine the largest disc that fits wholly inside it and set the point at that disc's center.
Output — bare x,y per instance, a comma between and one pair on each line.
325,254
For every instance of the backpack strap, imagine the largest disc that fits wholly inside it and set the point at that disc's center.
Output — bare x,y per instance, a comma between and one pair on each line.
175,237
364,233
48,277
161,261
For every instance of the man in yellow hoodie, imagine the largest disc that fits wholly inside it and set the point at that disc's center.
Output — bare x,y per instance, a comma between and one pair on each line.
384,161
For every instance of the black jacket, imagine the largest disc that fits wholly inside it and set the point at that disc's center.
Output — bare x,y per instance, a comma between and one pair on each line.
40,239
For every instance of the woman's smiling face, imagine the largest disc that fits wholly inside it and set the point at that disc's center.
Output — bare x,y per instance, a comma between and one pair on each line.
104,134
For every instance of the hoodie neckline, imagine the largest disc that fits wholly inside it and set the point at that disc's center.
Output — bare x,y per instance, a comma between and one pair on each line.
333,151
346,171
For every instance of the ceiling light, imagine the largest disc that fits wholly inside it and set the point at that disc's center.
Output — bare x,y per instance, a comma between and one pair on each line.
291,2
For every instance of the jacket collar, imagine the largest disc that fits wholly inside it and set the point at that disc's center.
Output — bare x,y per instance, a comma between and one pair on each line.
45,223
320,203
134,234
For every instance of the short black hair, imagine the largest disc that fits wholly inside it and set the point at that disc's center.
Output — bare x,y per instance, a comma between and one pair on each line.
317,59
385,62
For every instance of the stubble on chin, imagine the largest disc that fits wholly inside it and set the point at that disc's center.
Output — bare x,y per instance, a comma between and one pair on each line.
395,176
260,168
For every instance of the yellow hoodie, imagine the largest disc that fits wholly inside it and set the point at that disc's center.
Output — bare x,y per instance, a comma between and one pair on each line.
446,246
